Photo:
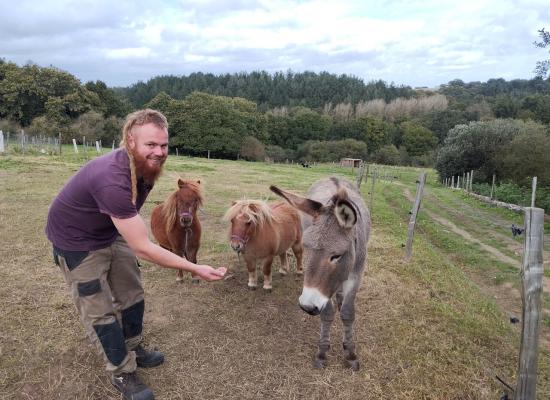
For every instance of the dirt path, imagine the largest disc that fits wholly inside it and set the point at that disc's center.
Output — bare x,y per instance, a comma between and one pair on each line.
466,235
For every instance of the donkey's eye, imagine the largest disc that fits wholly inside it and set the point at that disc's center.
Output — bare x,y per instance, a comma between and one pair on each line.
335,258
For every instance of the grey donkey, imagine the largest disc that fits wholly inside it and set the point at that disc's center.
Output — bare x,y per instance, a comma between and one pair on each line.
336,227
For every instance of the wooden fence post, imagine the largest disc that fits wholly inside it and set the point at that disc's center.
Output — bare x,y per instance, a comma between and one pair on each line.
414,213
1,141
534,191
493,186
360,173
531,272
371,205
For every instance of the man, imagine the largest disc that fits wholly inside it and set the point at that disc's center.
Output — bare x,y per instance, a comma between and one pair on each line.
97,232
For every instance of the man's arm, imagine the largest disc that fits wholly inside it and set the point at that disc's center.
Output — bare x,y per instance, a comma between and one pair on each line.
133,230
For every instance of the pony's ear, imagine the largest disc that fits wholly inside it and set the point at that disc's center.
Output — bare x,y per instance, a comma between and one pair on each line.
345,213
303,204
198,181
180,183
233,203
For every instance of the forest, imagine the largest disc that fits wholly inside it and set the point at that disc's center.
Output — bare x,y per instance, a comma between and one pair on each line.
495,127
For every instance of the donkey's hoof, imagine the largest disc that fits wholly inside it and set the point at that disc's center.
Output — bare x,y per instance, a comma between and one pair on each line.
353,364
195,281
319,364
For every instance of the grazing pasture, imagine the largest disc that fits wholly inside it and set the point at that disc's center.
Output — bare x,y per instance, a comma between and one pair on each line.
436,328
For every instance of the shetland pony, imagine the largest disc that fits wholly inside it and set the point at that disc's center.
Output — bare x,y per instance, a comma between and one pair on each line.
260,232
175,223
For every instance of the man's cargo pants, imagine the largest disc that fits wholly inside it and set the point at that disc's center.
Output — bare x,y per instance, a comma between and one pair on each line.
106,288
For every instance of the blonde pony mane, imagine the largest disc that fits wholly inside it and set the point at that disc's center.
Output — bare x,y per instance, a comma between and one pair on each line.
256,211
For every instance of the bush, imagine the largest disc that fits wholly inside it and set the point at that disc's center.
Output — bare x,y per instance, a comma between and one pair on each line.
515,194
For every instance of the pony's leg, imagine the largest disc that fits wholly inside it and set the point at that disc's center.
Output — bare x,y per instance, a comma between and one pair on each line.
266,268
298,251
347,313
193,258
252,279
283,270
327,316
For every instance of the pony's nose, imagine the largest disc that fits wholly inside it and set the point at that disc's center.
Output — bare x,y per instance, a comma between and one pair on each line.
236,246
311,310
186,221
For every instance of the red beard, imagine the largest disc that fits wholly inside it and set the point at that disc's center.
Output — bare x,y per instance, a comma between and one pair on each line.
150,174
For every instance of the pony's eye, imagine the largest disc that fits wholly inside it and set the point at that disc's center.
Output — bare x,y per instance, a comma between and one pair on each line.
248,223
335,258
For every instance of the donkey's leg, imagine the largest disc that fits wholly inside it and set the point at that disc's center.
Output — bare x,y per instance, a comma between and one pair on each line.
298,251
267,272
283,270
327,316
347,313
252,279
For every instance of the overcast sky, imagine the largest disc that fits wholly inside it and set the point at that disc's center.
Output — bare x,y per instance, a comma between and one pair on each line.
416,43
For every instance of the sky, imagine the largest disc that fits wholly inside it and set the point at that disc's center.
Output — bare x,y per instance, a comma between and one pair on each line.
414,43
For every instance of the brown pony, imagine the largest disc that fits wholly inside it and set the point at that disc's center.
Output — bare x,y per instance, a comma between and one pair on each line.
175,223
260,232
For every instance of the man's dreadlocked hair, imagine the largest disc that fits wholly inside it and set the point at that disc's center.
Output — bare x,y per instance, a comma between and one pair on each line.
139,118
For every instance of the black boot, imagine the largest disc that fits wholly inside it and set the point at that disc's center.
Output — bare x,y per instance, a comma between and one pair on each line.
131,387
148,358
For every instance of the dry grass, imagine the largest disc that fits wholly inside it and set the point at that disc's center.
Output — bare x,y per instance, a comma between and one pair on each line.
423,330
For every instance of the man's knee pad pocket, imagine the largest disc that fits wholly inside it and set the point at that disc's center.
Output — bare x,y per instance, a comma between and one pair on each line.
132,319
112,340
89,288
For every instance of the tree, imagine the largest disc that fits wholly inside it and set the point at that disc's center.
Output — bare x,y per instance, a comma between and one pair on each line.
481,146
543,67
112,104
418,139
387,155
252,149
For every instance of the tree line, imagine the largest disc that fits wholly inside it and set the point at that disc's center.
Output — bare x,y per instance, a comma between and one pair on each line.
302,117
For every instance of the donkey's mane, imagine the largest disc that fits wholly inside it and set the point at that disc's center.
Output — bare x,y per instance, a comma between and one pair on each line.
170,205
257,212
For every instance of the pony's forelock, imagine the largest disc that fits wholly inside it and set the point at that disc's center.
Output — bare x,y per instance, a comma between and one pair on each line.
257,212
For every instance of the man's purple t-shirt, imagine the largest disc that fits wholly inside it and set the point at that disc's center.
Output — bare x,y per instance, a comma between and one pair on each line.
79,218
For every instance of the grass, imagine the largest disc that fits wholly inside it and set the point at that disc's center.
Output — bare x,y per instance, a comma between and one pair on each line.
429,329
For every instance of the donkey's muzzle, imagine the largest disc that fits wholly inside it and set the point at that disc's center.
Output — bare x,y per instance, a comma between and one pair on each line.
310,310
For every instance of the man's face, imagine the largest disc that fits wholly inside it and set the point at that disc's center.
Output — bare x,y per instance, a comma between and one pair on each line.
149,146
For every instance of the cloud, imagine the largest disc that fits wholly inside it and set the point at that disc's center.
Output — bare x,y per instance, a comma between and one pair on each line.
423,43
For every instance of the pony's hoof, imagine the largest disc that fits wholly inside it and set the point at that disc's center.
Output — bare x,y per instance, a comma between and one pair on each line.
252,287
353,364
268,289
319,363
283,272
195,281
179,279
299,272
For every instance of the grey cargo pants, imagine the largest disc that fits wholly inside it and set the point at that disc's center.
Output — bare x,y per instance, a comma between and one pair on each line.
106,289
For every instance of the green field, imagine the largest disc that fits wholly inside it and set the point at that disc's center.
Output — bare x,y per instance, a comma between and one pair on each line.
435,328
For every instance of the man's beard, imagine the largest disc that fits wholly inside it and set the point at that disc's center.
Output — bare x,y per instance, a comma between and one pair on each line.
143,170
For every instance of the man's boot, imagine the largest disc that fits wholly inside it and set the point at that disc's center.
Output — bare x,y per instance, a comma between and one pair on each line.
148,358
131,387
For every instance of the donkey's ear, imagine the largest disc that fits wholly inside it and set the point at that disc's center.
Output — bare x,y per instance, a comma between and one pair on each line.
303,204
180,183
345,213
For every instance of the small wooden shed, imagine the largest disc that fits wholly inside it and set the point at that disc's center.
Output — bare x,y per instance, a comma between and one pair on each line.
351,162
